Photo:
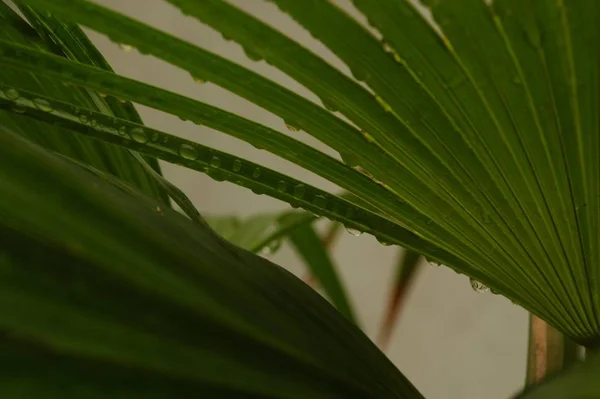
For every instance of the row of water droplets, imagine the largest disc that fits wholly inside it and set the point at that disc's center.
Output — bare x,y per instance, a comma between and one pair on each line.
475,285
189,153
186,151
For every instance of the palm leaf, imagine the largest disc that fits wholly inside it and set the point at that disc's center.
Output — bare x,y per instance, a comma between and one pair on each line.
312,250
262,232
516,206
128,299
408,264
578,382
100,155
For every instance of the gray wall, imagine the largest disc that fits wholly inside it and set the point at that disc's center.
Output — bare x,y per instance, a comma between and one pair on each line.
451,342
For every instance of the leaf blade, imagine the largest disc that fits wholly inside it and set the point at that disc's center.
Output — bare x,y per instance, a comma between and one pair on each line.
310,248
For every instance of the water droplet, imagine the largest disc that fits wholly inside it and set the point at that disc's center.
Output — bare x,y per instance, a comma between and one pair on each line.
43,105
237,165
83,118
254,56
155,137
19,109
350,159
329,106
383,241
256,173
433,262
353,231
320,201
12,94
271,247
122,130
281,186
386,46
188,152
93,123
478,287
198,80
139,135
215,162
165,139
359,74
125,47
158,209
291,127
299,191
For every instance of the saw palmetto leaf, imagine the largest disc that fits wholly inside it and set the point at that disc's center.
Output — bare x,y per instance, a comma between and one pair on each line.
299,113
217,164
488,140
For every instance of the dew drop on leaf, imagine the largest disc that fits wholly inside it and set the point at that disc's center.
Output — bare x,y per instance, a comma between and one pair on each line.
254,56
155,137
12,94
215,162
122,130
83,118
139,135
237,165
329,106
93,123
350,159
125,47
353,231
478,287
188,152
299,191
281,186
433,262
271,247
43,105
256,173
383,241
291,127
320,201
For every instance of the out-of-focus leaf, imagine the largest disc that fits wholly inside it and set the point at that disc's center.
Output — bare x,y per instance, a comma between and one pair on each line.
104,296
261,232
408,264
312,250
577,382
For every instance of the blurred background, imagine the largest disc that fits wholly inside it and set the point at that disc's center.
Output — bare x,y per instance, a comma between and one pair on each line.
450,341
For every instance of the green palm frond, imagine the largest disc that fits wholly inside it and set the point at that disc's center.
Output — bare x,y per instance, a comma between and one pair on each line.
468,132
470,151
